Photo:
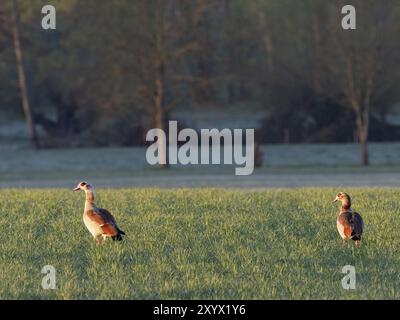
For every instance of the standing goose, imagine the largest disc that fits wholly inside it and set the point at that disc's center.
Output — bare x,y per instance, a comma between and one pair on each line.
100,223
349,223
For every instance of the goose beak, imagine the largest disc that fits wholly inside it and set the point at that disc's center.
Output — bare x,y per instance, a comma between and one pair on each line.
77,188
336,199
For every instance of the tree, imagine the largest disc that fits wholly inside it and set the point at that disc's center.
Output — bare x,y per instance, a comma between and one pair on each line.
358,65
165,31
317,59
22,75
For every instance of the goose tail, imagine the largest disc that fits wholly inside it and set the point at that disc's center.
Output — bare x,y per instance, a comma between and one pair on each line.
118,236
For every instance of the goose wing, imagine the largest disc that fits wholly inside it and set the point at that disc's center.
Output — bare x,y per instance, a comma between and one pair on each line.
351,224
107,216
358,224
345,223
105,220
110,218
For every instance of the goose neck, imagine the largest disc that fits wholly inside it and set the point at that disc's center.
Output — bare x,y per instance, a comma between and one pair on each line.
345,207
90,197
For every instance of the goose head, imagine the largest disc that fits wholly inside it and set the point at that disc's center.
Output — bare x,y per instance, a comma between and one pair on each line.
84,186
344,198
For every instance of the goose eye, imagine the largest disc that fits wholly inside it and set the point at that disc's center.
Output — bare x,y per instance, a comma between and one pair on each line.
83,184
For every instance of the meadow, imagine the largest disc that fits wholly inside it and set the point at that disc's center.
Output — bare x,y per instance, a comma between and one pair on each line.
198,244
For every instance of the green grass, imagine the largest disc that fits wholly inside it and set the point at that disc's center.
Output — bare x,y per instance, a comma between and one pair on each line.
199,244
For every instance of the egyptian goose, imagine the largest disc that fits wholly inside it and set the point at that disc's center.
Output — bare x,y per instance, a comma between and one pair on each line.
349,223
100,223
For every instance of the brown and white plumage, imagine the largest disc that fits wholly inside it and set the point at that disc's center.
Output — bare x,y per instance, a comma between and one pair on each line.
349,223
100,222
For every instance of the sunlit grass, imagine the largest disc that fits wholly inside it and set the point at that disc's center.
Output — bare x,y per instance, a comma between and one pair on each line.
204,243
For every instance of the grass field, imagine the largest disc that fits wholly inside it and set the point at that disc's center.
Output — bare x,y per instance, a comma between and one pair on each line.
198,243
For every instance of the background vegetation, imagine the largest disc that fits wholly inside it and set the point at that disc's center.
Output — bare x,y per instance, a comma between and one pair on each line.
114,69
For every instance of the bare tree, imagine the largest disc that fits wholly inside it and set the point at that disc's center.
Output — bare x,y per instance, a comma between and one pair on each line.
355,68
166,29
22,75
358,64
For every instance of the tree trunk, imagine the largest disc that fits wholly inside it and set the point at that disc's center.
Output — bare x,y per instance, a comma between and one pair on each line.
362,127
159,85
267,41
316,33
22,77
364,151
159,119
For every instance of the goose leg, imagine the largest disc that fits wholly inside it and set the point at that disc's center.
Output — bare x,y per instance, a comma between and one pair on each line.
99,240
358,243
